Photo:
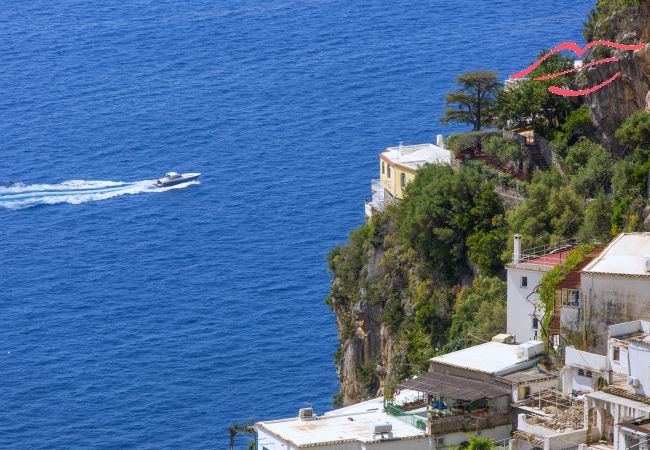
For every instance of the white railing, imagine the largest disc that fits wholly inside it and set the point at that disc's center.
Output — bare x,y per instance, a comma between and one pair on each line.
549,252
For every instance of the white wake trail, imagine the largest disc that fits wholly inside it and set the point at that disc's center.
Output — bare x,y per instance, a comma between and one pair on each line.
74,192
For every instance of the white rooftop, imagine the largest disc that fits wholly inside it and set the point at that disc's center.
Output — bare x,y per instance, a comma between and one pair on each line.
339,426
415,156
627,254
494,357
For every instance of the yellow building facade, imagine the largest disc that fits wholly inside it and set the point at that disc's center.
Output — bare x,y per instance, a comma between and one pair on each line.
398,165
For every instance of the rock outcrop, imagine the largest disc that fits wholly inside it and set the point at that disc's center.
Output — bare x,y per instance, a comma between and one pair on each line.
630,92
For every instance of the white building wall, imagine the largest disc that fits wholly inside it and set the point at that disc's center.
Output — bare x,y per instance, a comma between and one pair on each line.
520,307
640,366
611,299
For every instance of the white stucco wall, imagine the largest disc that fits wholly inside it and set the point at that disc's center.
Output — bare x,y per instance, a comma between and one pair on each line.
520,309
640,366
611,299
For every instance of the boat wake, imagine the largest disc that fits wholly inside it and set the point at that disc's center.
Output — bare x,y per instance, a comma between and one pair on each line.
74,192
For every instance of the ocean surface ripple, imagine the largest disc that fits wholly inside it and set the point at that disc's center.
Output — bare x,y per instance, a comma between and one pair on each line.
154,321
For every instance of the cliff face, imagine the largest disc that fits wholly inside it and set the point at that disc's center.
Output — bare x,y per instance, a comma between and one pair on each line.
377,292
623,22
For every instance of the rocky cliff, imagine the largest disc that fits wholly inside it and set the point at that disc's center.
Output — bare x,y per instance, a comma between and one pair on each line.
622,21
377,294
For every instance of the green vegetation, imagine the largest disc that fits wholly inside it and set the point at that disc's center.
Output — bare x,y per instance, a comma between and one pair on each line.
441,210
426,276
530,103
474,102
462,142
600,23
549,282
479,313
479,443
551,212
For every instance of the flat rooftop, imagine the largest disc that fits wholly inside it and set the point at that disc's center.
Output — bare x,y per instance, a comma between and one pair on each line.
493,357
625,255
415,156
336,428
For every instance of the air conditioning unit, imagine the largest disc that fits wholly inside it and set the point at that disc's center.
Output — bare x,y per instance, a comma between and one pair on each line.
382,428
306,413
633,381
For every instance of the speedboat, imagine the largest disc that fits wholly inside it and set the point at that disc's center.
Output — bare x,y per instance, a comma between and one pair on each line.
173,178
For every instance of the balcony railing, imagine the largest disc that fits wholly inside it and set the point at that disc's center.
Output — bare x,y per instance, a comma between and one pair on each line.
416,421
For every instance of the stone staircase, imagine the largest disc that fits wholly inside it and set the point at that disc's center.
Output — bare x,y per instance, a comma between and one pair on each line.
536,156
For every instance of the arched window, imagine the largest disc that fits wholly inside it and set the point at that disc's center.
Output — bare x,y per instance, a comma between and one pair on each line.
589,374
402,179
581,372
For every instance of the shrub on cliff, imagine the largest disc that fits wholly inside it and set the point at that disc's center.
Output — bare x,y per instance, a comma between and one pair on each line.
479,313
551,212
589,167
444,208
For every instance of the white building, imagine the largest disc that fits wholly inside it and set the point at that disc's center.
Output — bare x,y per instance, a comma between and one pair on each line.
615,287
397,168
583,371
616,409
357,427
524,312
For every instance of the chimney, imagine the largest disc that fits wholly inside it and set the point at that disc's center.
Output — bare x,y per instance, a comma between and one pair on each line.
440,141
399,151
516,254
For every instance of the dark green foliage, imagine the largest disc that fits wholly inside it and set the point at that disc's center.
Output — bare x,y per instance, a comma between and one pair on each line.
505,149
635,133
589,167
479,312
461,142
368,377
530,102
602,19
597,221
551,212
441,209
474,101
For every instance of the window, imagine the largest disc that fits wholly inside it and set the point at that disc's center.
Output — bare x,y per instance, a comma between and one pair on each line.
589,374
524,392
524,281
388,171
402,179
571,297
581,372
383,167
535,323
616,354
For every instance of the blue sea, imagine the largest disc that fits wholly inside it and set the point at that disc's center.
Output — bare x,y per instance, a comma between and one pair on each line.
141,318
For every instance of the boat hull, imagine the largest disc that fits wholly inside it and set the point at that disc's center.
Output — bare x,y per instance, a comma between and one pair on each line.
185,178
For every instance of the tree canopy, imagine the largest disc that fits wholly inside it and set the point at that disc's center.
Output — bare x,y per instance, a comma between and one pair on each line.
475,100
530,103
442,208
551,212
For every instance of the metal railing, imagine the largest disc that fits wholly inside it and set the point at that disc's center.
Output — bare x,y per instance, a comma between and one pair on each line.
549,250
416,421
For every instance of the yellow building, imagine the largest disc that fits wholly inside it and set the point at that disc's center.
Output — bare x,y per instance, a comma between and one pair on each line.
399,164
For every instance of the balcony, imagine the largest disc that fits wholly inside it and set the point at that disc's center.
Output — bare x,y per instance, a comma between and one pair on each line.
377,202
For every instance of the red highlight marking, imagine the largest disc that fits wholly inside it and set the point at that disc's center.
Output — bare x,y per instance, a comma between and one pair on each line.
578,51
559,74
572,93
